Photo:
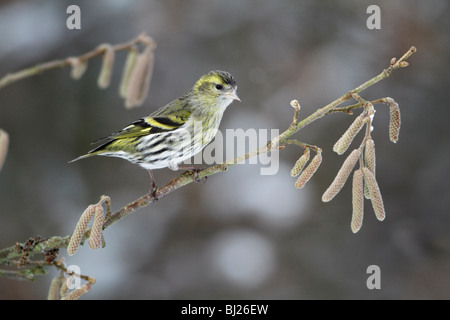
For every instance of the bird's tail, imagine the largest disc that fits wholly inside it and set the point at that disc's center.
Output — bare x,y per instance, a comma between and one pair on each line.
95,152
87,155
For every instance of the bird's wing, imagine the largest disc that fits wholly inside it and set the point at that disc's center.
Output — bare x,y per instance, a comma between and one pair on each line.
152,124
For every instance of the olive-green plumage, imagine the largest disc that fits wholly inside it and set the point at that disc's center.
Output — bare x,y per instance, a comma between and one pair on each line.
176,131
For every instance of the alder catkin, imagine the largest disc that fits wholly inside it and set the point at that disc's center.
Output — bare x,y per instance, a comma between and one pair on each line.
108,57
4,142
342,175
80,228
309,170
148,52
55,285
79,67
77,293
140,78
127,71
375,194
300,164
95,239
369,161
346,139
357,201
394,121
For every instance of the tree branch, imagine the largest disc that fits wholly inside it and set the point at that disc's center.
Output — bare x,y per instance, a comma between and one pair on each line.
42,67
18,252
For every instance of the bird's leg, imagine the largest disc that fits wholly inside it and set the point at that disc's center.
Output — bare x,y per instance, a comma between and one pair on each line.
195,172
154,186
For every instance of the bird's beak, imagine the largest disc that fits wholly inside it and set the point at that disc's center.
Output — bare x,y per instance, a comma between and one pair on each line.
233,95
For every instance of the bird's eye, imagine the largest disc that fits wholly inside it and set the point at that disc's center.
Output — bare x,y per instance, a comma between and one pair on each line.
219,86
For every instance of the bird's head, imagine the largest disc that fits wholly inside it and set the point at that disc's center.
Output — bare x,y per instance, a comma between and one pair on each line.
216,89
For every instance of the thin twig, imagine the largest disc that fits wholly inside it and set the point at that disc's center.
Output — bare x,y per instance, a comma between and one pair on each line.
42,67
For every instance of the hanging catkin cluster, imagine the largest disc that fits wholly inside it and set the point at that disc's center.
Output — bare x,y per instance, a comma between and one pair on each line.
308,172
136,73
59,287
364,182
96,236
300,164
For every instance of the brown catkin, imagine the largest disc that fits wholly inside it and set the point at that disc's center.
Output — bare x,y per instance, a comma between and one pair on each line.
140,78
80,228
375,194
64,288
369,161
55,285
344,142
394,121
79,67
135,82
104,77
148,52
309,170
95,239
300,164
342,175
77,293
127,71
357,201
4,142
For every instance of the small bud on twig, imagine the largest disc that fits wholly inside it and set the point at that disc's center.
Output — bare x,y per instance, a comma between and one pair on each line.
357,201
341,176
309,170
344,142
295,104
375,194
300,164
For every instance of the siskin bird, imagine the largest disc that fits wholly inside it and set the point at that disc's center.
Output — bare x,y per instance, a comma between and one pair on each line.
176,131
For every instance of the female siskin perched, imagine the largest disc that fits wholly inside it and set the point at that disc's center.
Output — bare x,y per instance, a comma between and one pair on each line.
178,130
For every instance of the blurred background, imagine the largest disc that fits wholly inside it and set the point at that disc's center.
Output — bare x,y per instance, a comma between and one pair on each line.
241,235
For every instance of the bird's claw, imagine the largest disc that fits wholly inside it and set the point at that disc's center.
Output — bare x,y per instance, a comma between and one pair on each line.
195,172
